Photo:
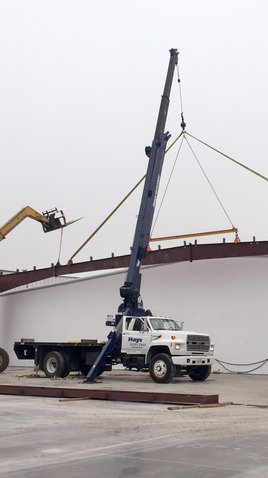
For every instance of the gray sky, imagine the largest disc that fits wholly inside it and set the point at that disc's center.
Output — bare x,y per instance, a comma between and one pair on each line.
81,83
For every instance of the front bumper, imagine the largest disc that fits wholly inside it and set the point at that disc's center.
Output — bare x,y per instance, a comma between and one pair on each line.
189,360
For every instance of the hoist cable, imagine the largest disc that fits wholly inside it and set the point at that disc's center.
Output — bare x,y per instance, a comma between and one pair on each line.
117,207
167,185
183,124
210,184
228,157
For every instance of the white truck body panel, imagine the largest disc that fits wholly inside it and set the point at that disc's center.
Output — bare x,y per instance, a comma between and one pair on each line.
186,348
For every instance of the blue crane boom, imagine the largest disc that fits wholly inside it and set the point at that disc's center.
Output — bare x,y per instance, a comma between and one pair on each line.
130,291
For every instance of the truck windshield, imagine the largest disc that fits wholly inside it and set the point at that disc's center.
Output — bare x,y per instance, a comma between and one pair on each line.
164,324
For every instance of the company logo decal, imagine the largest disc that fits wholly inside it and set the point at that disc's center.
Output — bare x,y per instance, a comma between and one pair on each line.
135,340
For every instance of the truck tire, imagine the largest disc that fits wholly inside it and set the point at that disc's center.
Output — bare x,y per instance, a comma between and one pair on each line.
200,374
161,368
54,364
67,368
4,360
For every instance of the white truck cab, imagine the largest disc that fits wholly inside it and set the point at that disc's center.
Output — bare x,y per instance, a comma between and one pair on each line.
160,345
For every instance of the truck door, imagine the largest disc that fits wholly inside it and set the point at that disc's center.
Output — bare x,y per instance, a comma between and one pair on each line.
136,336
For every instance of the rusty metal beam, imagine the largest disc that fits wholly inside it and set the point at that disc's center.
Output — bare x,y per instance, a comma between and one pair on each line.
190,252
118,395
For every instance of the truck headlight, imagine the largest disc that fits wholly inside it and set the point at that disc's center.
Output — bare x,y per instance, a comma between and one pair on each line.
177,346
211,348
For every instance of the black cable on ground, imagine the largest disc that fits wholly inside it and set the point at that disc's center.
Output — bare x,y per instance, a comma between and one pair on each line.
259,365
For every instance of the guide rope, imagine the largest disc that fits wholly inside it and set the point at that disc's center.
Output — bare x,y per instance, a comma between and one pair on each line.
70,261
105,220
228,157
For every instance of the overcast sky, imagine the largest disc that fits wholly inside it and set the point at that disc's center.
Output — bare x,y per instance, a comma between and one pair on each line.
81,83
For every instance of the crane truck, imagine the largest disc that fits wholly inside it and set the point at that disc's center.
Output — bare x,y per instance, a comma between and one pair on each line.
138,339
50,220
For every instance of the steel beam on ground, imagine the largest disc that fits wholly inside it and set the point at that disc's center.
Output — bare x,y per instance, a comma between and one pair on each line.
118,395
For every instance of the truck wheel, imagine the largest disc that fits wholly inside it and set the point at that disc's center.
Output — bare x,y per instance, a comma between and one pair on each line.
200,374
67,368
54,364
4,360
162,369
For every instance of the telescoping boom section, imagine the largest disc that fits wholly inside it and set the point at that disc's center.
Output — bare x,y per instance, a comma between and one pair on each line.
130,291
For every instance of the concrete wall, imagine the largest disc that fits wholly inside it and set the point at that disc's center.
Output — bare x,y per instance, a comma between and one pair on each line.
226,298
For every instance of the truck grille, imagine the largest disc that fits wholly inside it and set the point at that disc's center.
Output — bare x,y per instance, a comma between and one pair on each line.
198,343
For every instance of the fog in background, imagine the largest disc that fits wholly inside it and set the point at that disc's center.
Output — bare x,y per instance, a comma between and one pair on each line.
80,89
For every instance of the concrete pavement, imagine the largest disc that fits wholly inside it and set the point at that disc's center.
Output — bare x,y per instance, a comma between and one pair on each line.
47,437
